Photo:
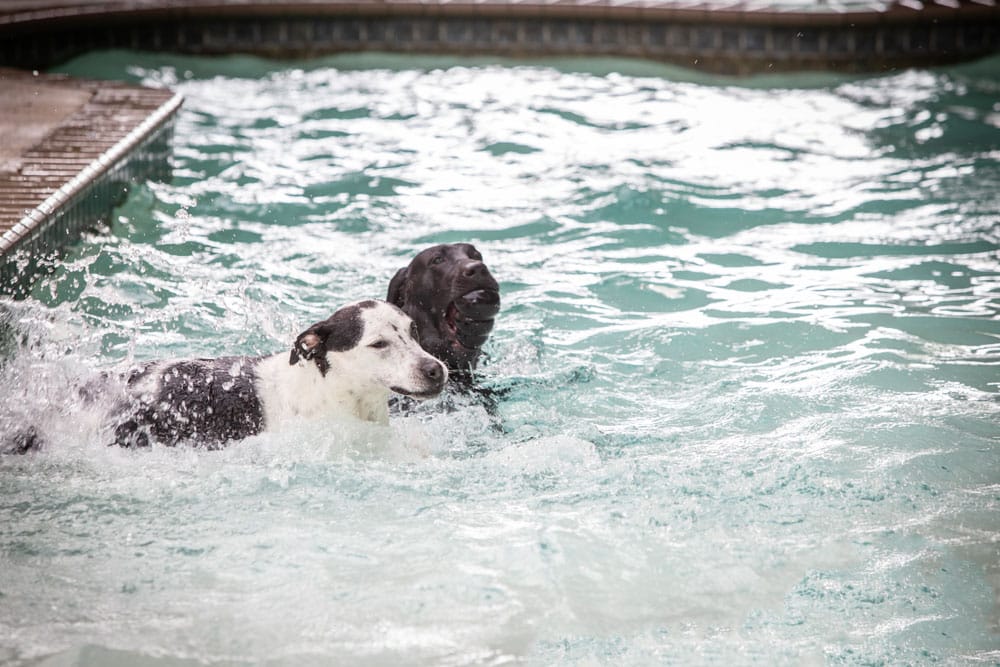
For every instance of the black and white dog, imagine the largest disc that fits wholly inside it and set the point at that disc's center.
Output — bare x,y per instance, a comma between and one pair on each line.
453,298
441,308
345,365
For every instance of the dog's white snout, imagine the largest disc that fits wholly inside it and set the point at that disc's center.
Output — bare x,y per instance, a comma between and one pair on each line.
434,370
430,375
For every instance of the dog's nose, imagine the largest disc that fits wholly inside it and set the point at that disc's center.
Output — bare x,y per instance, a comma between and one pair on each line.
473,269
433,370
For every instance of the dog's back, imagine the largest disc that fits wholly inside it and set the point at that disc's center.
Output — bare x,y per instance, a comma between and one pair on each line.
208,400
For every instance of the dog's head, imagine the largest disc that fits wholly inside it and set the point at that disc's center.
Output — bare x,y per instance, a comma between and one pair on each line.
451,295
372,343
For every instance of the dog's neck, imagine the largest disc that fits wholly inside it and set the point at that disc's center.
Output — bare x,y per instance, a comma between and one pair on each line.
301,390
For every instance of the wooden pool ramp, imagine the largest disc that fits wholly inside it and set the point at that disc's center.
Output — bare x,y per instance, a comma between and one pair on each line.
69,148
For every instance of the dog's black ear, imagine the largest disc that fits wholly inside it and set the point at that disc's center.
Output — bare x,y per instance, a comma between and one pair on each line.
395,295
310,345
306,346
338,333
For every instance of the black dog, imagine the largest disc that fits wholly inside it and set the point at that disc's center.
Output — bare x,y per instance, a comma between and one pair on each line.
451,295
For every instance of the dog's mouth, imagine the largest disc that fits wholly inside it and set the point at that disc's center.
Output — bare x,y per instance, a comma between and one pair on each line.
469,318
419,395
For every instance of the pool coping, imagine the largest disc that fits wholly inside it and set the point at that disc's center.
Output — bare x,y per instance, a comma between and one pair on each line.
893,11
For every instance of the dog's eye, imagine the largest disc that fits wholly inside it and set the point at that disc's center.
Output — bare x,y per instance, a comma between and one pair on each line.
414,334
437,260
379,344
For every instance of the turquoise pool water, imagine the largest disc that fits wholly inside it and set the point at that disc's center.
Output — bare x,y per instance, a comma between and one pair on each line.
750,344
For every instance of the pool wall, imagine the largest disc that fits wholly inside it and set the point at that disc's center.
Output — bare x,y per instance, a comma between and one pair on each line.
733,39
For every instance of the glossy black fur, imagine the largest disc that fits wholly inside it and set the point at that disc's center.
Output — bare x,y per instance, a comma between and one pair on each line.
449,276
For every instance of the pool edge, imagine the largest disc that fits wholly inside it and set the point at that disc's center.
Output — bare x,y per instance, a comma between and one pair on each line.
137,153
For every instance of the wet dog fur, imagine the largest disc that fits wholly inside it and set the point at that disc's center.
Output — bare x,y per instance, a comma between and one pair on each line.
346,365
451,295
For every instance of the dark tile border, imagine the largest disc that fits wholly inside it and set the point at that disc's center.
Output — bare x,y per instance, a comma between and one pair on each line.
732,40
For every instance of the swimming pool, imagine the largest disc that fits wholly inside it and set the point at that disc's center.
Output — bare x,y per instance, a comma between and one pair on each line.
749,349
